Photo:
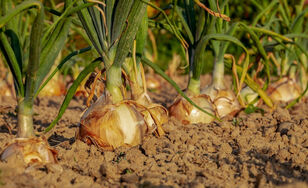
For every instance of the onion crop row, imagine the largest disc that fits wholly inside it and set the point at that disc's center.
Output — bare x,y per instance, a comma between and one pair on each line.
266,56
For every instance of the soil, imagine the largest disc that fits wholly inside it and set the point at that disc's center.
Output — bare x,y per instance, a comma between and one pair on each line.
250,150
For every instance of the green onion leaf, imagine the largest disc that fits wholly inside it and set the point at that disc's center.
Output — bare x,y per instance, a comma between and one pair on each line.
71,92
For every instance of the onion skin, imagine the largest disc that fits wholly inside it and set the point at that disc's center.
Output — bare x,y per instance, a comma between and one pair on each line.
155,116
186,113
33,150
110,126
248,95
153,83
55,87
125,123
284,90
226,103
5,90
224,100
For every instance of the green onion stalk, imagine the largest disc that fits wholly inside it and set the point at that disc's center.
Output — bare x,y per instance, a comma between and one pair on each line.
112,37
30,73
133,66
114,80
56,86
154,114
299,26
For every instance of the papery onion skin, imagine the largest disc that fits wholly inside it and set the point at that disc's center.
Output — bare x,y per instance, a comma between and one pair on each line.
226,103
284,90
155,116
248,95
186,113
5,90
110,126
153,83
33,150
55,87
223,100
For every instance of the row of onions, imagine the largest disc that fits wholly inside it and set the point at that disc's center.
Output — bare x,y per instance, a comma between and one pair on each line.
122,113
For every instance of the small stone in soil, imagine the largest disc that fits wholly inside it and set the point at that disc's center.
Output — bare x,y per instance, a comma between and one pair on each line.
284,127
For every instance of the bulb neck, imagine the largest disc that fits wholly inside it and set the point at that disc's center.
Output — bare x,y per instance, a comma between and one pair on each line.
25,118
194,86
218,73
114,83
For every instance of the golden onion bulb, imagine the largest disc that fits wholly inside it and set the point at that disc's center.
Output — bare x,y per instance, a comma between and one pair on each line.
223,100
6,83
5,89
33,150
284,90
155,116
186,113
152,82
248,95
55,87
110,126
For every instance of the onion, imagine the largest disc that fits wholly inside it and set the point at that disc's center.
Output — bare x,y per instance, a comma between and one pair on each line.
186,113
248,95
110,126
152,82
5,89
55,87
155,115
284,90
33,150
223,100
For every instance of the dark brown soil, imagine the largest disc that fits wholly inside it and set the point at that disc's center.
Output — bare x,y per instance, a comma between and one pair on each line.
252,150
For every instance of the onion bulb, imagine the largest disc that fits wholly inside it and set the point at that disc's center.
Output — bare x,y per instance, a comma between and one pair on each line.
5,89
155,115
6,83
284,90
152,82
55,87
33,150
126,123
186,113
248,95
223,100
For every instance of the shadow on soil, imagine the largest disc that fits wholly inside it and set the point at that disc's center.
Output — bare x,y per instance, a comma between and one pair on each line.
280,170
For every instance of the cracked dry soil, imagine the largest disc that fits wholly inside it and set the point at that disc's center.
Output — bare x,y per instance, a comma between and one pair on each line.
250,150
